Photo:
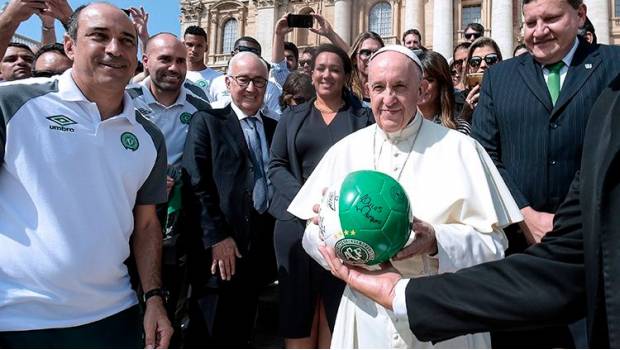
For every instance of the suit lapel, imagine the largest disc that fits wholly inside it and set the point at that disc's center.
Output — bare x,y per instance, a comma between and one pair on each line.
581,67
233,133
532,75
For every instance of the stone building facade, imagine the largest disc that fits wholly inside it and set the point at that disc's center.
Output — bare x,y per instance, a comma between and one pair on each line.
441,22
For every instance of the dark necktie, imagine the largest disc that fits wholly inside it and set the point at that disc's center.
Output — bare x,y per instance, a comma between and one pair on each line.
260,193
553,80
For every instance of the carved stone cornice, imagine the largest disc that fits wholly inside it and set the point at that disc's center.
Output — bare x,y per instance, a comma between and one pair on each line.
191,11
269,3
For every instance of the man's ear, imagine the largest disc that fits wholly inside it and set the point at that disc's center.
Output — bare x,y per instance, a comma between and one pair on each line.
582,12
228,81
69,45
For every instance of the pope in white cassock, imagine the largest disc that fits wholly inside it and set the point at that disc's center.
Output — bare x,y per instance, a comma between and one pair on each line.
458,198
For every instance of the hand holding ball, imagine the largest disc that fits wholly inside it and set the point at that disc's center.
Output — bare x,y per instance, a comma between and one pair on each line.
365,218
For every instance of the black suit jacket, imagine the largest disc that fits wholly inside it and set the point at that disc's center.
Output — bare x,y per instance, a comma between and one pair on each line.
537,146
219,178
575,271
285,167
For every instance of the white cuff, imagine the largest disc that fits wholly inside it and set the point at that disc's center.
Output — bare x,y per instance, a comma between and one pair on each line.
399,304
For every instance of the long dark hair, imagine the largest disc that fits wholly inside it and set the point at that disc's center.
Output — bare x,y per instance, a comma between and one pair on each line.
436,66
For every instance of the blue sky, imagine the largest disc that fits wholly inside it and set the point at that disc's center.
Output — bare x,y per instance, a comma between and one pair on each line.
163,17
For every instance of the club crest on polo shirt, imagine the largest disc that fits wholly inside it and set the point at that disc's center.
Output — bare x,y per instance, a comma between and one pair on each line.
185,117
202,83
62,122
130,141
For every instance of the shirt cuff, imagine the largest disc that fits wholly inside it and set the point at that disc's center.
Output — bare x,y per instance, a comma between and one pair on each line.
399,304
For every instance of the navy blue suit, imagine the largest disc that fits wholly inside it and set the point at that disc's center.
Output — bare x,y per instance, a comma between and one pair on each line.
536,145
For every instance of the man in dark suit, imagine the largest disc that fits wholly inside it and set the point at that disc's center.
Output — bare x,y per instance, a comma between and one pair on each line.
231,249
574,272
531,120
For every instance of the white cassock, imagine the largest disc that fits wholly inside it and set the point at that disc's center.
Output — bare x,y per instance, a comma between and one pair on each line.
451,183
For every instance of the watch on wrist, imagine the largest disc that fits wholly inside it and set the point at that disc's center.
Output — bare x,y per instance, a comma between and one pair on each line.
160,292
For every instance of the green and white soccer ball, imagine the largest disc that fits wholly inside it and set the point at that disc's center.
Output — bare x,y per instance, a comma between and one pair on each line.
366,218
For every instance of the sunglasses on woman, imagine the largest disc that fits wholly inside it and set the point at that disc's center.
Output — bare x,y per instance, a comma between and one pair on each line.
490,60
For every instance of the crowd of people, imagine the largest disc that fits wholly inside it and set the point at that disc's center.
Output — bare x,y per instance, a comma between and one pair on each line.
148,201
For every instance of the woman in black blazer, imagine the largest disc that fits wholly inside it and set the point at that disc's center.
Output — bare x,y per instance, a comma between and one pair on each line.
309,295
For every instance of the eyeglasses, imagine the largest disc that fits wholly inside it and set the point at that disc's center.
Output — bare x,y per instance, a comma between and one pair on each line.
304,62
474,35
44,73
490,59
365,53
244,81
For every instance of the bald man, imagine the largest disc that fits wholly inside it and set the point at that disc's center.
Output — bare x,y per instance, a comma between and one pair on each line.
162,97
68,213
224,165
457,219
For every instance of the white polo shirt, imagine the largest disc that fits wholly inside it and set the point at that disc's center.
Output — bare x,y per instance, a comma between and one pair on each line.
173,121
68,185
219,97
203,78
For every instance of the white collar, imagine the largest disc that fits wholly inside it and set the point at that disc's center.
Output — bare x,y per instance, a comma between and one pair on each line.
69,91
150,99
407,133
242,115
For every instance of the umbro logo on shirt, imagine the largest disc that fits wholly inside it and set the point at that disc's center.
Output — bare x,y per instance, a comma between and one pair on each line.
62,123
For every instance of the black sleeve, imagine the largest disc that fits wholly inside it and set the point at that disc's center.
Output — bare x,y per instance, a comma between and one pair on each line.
153,190
200,185
3,124
486,131
284,183
542,287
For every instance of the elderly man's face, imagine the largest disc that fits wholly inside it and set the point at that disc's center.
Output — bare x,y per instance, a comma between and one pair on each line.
16,63
395,84
247,83
551,28
165,60
104,52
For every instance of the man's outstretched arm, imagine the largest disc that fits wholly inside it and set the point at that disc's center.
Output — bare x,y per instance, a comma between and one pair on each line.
543,286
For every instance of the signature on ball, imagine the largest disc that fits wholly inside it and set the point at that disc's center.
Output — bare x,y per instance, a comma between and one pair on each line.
367,208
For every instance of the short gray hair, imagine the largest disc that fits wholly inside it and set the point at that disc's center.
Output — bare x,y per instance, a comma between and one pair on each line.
242,55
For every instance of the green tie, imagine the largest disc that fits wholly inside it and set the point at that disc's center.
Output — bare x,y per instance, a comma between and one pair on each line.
553,80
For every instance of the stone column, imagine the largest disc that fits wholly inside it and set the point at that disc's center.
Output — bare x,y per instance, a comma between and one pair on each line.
414,15
443,27
342,19
501,26
598,12
265,23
